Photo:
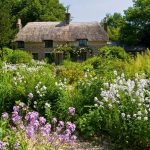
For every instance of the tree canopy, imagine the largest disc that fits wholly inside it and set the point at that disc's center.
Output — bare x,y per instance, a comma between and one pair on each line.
134,27
5,25
114,23
28,11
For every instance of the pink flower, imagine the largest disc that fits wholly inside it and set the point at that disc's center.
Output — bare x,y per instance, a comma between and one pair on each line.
30,95
5,115
71,111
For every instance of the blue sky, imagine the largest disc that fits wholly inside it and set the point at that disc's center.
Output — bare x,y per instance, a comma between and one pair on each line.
95,10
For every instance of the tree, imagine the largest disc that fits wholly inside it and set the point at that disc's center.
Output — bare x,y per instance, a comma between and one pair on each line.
5,26
38,10
136,30
114,23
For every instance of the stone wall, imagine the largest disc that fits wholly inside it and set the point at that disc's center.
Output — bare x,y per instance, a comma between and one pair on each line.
41,50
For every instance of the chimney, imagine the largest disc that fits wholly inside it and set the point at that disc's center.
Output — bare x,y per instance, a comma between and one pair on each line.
67,19
105,26
19,24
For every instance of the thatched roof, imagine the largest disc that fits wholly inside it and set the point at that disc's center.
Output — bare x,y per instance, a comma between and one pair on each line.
58,31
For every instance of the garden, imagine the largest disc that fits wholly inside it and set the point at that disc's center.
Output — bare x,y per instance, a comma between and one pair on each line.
104,100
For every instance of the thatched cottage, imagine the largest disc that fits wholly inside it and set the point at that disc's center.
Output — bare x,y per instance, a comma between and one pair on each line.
40,38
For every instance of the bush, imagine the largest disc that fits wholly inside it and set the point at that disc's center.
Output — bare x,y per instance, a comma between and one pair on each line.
114,51
121,111
7,54
19,56
140,64
17,81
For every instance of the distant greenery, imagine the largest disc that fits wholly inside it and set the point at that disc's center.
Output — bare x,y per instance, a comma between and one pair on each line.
28,11
134,27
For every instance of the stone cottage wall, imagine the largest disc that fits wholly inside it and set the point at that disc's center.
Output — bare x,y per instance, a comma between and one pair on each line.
41,50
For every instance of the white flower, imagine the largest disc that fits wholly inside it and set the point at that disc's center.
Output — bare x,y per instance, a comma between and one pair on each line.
35,102
128,116
47,105
95,105
85,75
117,95
110,105
136,75
95,99
138,118
139,113
146,112
133,100
134,115
139,104
123,115
106,84
142,100
115,72
38,92
145,118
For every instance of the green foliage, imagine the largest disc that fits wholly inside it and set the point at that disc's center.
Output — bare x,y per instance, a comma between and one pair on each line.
114,23
19,56
114,51
140,64
7,54
38,10
5,26
136,30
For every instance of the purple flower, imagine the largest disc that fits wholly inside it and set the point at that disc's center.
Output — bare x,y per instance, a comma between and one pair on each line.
16,146
36,125
32,117
45,131
30,131
50,139
73,137
70,126
61,124
42,120
3,145
54,120
61,138
30,95
5,115
16,108
71,111
15,117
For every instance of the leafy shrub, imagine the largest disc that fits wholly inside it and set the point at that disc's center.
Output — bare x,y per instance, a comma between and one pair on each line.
16,81
122,111
114,51
7,54
140,64
71,71
19,56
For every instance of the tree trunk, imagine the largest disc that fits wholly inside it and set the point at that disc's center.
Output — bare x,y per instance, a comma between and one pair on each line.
2,56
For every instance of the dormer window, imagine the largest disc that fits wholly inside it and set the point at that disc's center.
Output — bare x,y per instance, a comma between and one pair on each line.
83,42
20,44
48,43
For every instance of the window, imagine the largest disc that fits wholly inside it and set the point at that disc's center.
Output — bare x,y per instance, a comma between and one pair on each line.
83,42
20,44
48,44
35,56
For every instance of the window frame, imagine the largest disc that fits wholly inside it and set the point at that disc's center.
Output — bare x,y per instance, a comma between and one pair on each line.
48,43
34,56
20,44
83,42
